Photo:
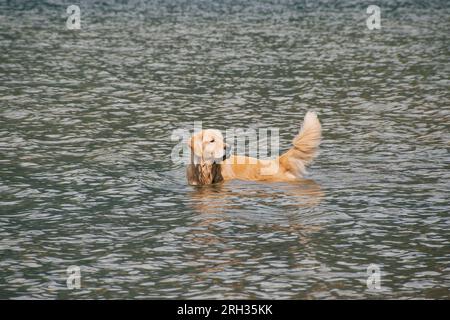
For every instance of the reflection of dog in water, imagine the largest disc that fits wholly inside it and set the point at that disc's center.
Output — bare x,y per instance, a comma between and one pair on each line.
217,209
223,198
211,163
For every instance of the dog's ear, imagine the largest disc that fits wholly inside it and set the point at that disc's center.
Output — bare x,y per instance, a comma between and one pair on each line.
196,143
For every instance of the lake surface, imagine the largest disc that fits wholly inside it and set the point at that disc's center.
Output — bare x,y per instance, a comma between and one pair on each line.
87,180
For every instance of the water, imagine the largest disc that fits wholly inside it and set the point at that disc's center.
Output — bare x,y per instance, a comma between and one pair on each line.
86,176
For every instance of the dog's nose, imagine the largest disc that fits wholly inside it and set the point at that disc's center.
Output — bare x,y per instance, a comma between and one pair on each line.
226,146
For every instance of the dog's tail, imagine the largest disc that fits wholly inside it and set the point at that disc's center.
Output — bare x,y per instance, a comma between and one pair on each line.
305,146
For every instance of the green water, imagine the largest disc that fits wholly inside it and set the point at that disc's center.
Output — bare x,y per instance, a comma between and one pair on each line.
86,177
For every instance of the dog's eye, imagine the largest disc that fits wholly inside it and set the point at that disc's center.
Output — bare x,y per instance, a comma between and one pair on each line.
212,140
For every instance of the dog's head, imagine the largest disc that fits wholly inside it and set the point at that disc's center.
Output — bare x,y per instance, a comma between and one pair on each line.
208,147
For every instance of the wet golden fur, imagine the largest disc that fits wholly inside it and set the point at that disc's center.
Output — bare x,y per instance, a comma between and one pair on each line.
208,149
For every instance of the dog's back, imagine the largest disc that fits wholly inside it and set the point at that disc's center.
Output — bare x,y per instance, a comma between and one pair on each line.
288,167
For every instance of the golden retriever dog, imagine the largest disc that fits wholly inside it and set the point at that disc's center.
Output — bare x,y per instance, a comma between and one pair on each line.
211,162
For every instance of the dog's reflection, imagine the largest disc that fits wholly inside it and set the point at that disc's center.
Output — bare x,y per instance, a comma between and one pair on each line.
223,207
226,197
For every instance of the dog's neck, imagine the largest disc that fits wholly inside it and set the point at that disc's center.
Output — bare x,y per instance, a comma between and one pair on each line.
201,173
